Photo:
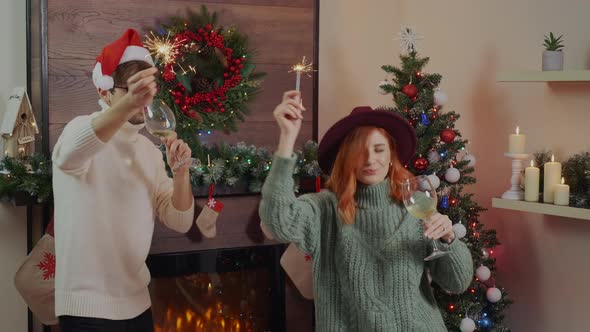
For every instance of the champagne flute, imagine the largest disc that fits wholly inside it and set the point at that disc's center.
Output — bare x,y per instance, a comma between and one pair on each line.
419,197
161,122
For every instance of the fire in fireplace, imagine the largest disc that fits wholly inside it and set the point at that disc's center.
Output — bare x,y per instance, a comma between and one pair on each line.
227,290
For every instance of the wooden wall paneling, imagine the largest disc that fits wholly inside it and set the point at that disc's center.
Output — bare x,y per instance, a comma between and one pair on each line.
79,29
74,94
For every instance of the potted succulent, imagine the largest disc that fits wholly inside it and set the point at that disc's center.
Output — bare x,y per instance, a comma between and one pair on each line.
553,55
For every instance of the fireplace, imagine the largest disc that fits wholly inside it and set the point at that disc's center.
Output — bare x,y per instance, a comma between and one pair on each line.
230,290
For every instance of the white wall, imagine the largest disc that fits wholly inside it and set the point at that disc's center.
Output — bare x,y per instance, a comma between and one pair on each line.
13,244
543,259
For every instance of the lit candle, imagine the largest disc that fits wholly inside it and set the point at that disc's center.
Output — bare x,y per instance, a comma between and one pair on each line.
562,193
551,178
531,183
209,289
516,142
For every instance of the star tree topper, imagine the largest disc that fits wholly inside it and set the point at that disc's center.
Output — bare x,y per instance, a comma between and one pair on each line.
409,39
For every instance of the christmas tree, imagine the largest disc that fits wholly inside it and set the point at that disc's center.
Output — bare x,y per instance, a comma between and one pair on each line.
442,156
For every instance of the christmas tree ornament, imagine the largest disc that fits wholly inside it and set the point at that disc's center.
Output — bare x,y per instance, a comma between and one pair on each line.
433,157
207,219
380,87
447,135
410,90
420,163
434,180
467,325
483,273
471,158
460,230
493,294
485,254
440,98
444,202
424,119
452,175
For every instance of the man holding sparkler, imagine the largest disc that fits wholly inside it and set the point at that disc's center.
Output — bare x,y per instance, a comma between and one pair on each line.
109,185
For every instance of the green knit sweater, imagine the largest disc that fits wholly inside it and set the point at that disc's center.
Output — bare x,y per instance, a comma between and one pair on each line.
368,276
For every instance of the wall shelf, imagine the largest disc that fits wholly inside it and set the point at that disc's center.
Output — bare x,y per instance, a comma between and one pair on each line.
542,208
544,76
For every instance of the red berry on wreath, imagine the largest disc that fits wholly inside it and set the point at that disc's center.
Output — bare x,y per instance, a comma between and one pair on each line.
222,110
420,164
410,90
447,135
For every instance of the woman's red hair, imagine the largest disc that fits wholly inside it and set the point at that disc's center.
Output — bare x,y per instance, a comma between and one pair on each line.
343,180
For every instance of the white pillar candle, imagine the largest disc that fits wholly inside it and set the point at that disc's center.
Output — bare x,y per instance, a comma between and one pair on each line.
551,178
516,142
531,183
562,193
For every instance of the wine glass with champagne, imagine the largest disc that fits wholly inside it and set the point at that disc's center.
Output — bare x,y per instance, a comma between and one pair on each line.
419,197
161,122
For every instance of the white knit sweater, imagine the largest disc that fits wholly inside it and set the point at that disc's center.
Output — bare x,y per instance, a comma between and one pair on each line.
107,196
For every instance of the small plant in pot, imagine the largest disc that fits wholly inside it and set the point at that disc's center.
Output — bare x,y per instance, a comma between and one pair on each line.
553,55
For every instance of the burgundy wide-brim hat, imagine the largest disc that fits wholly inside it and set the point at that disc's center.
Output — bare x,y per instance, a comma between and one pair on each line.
400,130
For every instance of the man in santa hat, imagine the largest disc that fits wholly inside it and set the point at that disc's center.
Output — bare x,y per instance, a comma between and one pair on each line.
110,184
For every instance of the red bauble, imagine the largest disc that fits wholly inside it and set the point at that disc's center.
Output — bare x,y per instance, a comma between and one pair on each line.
420,164
410,90
447,135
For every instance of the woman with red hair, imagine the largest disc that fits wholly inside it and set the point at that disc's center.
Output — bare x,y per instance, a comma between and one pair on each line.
368,252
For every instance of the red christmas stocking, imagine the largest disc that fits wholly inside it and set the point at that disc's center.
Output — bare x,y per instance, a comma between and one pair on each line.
207,219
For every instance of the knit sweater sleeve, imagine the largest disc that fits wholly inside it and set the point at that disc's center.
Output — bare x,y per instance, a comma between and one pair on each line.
453,272
76,146
180,221
288,218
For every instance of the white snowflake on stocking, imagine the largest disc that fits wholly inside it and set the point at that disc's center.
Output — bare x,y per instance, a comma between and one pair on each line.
211,203
409,39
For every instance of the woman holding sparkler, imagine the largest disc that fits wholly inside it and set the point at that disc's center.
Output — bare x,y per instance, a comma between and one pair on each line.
368,252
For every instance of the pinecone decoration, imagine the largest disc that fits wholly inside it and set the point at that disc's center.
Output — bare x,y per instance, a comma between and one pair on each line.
206,51
200,83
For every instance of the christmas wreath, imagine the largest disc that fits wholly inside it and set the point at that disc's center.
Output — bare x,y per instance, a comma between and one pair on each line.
207,72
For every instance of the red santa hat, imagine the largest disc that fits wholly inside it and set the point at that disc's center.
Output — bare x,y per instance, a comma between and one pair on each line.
127,48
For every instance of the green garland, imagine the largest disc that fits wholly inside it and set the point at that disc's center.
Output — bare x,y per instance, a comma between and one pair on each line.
233,166
239,168
30,176
576,171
